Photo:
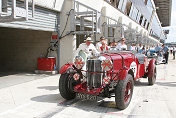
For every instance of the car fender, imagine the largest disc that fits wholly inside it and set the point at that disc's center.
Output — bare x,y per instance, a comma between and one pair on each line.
65,67
123,73
151,66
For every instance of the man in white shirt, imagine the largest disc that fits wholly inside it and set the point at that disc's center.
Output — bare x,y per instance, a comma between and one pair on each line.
133,47
99,44
87,47
122,45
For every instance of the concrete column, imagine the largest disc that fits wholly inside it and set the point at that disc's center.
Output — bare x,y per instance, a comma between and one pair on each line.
119,33
103,22
68,43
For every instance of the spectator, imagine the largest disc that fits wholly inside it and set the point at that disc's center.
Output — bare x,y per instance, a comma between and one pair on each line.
122,45
133,47
142,51
152,48
158,50
171,49
165,50
104,47
173,52
139,47
113,44
99,44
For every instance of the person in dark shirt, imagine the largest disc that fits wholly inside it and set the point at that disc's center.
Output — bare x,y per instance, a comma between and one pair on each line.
173,52
165,50
142,51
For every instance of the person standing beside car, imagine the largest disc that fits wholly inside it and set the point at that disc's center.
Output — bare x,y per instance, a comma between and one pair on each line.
173,52
171,49
158,50
142,51
165,53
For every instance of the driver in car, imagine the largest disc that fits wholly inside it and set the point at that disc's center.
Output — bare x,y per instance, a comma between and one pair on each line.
87,48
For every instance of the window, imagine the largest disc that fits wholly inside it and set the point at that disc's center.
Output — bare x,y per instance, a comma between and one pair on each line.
113,2
138,16
128,8
145,21
133,12
120,4
142,24
146,2
117,3
148,25
141,19
124,5
111,32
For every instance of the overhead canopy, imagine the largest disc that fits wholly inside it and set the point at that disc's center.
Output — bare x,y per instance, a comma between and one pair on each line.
164,11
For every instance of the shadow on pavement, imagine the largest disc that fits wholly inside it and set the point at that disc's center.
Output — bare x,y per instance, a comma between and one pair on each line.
98,107
50,98
103,106
19,73
2,74
50,88
138,83
168,84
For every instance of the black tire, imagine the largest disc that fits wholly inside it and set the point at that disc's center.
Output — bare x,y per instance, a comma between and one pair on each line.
122,101
66,86
152,80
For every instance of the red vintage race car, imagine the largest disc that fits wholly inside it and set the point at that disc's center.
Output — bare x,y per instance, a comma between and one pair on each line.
104,75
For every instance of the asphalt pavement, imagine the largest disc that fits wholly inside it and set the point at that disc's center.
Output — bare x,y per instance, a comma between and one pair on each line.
25,95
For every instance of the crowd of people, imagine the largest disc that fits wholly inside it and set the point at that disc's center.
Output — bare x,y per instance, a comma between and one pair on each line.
102,46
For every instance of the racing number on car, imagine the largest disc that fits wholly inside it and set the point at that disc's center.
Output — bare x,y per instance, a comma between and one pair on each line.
133,66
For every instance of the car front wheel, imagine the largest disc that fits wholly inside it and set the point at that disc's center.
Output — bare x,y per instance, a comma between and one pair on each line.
123,92
66,86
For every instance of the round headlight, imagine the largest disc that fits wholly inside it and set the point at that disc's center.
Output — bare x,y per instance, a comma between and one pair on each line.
79,62
106,65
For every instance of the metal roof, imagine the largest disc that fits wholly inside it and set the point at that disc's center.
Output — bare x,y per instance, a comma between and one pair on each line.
164,11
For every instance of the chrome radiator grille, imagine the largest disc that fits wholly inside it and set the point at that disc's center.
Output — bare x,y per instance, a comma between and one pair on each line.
94,79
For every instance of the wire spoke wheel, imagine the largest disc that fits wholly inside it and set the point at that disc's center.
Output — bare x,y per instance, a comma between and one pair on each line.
124,92
127,92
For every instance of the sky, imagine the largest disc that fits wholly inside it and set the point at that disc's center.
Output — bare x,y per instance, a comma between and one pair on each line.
171,37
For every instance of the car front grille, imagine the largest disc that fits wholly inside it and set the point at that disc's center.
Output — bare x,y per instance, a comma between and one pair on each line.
94,80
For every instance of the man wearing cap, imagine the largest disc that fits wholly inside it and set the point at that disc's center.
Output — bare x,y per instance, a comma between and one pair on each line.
122,45
99,44
87,47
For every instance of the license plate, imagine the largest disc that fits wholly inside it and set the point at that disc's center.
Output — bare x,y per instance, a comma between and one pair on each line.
86,96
